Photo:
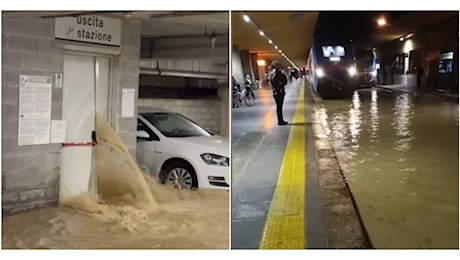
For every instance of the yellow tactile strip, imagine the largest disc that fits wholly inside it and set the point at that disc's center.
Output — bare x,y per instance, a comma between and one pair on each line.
285,224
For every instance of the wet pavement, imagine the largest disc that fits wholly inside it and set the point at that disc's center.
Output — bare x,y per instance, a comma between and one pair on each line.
399,154
267,194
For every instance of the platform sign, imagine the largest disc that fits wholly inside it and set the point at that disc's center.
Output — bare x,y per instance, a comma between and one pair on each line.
34,110
89,28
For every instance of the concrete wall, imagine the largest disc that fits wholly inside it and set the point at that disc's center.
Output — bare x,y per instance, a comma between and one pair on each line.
206,112
173,54
30,174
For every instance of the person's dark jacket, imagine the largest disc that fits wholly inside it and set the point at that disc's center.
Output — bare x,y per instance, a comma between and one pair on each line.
278,81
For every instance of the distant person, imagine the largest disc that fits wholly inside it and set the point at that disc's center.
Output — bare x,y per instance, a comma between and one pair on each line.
248,85
278,81
420,71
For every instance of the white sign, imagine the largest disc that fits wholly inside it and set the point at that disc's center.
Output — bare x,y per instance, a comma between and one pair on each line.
34,110
89,28
57,131
127,102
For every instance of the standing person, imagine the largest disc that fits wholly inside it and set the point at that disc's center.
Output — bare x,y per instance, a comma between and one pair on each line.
278,81
248,85
420,71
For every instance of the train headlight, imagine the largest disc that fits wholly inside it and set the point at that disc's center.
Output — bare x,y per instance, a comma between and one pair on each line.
352,71
319,72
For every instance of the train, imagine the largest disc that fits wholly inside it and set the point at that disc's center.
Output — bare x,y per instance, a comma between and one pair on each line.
335,70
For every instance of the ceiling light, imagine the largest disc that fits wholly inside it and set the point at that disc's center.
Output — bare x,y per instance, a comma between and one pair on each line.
401,39
279,51
246,18
270,41
276,47
261,33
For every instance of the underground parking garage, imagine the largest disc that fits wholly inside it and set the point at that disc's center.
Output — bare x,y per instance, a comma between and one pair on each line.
69,112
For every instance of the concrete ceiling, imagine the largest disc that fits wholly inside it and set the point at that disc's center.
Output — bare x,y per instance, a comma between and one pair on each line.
154,23
405,24
163,24
290,31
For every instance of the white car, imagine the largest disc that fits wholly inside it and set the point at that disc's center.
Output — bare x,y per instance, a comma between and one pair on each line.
180,152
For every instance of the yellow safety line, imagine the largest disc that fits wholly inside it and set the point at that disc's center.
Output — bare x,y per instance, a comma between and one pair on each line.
285,225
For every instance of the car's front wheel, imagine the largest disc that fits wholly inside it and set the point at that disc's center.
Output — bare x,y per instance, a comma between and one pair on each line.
180,175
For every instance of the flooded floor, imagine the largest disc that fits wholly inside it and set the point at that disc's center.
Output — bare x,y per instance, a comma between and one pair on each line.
130,211
198,220
399,153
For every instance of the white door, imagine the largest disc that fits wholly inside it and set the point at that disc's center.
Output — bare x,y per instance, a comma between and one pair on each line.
85,91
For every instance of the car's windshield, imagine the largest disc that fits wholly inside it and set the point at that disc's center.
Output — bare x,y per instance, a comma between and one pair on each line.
175,125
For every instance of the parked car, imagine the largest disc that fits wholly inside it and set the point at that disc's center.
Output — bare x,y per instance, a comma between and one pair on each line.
178,151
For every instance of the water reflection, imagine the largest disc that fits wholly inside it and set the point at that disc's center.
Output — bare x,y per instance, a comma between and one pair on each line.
400,158
374,113
355,119
266,99
401,124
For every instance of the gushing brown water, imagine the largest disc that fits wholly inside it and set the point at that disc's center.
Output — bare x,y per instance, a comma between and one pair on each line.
131,211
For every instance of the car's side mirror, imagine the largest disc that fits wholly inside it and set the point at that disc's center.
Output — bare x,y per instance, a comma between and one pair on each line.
143,135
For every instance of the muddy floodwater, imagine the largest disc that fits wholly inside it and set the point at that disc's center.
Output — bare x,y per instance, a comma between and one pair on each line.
399,154
199,220
130,211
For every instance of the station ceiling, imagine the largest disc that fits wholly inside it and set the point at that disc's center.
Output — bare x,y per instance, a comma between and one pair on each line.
290,31
399,26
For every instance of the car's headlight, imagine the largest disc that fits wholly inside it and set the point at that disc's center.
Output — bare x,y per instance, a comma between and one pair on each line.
352,71
214,159
319,72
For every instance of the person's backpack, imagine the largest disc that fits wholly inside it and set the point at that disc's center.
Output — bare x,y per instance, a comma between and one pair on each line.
279,80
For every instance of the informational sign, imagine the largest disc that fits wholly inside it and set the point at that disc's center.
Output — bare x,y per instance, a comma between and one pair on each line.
34,110
89,28
57,131
127,102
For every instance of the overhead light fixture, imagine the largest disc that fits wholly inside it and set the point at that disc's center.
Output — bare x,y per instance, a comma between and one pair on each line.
279,51
270,41
246,18
261,33
382,22
334,58
401,39
261,63
276,47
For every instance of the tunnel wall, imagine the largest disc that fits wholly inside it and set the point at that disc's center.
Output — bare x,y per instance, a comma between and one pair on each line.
30,174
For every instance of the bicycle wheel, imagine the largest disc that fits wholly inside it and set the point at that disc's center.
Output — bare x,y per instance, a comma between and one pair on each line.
249,100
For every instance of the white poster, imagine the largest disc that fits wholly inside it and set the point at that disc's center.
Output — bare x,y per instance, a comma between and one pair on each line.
127,102
34,110
57,131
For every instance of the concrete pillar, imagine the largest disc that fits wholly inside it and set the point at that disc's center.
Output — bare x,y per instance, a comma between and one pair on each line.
237,66
246,63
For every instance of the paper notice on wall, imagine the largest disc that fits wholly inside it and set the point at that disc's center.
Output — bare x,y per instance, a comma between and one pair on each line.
127,102
34,110
57,131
